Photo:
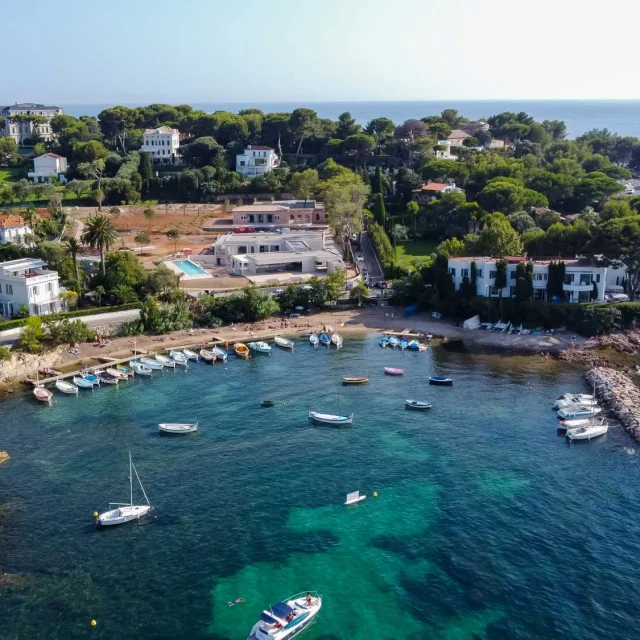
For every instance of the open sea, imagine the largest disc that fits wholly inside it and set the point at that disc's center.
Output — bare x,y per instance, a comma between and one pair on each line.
619,116
486,525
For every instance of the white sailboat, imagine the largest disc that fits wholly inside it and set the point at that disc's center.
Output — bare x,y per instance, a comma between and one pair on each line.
330,418
125,512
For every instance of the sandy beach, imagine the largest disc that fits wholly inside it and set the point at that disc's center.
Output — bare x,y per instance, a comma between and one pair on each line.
354,321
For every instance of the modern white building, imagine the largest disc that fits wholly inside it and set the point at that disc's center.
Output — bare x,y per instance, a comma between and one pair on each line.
12,228
27,281
308,262
18,125
48,166
256,161
161,144
580,277
232,244
287,213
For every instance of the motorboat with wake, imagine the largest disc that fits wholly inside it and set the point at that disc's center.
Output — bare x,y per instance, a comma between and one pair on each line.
125,512
287,619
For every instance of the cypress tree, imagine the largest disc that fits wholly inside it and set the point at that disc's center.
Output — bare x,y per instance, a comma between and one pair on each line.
145,170
474,278
379,210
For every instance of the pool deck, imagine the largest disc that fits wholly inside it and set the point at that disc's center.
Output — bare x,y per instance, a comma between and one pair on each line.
183,274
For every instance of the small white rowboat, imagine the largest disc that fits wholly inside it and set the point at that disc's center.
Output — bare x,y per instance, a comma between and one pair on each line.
178,427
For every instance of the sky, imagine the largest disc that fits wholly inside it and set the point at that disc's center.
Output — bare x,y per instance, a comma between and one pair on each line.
195,51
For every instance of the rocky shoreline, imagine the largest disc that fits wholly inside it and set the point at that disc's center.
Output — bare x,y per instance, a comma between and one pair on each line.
619,396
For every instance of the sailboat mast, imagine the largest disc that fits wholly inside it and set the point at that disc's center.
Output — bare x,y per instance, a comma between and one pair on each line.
140,483
130,480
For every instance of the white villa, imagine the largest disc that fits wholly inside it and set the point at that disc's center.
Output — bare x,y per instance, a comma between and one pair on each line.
26,281
161,144
47,166
12,228
578,283
24,129
256,161
250,254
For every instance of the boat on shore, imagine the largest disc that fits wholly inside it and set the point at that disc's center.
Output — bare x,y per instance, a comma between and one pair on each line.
220,354
287,619
313,339
413,345
241,350
347,380
260,347
587,433
178,428
393,342
404,344
179,358
417,405
141,369
383,342
393,371
208,356
125,512
48,371
66,387
151,363
441,381
285,343
337,340
325,340
191,355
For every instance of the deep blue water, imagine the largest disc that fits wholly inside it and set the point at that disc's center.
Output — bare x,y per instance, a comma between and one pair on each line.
619,116
487,525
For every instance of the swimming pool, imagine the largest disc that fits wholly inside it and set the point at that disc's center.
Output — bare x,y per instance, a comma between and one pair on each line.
190,268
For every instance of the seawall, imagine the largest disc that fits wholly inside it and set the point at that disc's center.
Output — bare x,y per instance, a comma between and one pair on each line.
619,396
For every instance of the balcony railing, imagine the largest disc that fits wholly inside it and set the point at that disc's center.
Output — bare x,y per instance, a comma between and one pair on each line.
577,286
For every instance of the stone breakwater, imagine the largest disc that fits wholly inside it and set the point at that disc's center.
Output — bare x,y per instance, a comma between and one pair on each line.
618,395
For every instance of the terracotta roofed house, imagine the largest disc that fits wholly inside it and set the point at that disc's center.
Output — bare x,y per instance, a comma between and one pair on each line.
12,228
457,137
430,190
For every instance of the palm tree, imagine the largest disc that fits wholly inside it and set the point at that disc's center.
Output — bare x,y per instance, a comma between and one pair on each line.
73,249
99,233
99,291
30,217
174,234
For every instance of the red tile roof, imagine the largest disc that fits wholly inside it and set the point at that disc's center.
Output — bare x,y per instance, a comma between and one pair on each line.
457,134
434,186
8,220
53,155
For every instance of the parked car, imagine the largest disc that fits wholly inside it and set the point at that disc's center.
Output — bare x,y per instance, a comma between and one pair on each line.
359,257
616,297
365,271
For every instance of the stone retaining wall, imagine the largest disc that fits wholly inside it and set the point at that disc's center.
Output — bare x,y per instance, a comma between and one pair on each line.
619,396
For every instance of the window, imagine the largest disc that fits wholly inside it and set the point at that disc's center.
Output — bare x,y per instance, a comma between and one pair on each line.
493,291
276,248
585,278
464,273
242,163
263,249
50,287
452,271
35,290
597,277
513,275
540,277
512,291
493,274
479,273
269,217
242,249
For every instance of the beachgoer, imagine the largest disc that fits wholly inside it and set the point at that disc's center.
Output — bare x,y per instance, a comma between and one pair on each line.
308,597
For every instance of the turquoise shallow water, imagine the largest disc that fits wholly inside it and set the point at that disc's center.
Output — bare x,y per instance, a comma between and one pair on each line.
486,526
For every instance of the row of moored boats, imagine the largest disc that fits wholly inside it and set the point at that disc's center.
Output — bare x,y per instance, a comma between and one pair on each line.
401,343
580,418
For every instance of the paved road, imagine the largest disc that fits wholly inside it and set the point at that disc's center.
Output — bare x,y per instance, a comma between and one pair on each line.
370,258
98,320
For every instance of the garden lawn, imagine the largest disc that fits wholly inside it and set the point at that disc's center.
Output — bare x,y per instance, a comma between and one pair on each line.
10,174
419,251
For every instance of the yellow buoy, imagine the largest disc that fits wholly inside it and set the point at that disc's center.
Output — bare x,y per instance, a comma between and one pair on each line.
93,623
95,514
375,494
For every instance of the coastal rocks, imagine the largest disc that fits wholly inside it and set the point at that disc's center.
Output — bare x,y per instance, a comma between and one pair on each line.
4,456
24,365
619,395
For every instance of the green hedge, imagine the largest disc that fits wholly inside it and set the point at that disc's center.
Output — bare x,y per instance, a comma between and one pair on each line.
20,322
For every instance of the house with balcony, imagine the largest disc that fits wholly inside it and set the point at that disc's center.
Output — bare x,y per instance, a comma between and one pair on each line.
27,282
19,125
256,160
162,144
280,213
48,166
579,281
12,228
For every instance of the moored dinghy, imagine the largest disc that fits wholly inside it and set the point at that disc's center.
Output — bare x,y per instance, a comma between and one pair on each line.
121,375
241,350
330,419
151,363
207,356
417,405
191,355
66,387
578,412
287,619
260,347
82,383
107,378
383,342
393,371
283,342
414,345
336,339
220,354
141,369
393,342
588,432
355,380
178,428
325,339
441,381
313,339
166,362
179,358
41,394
